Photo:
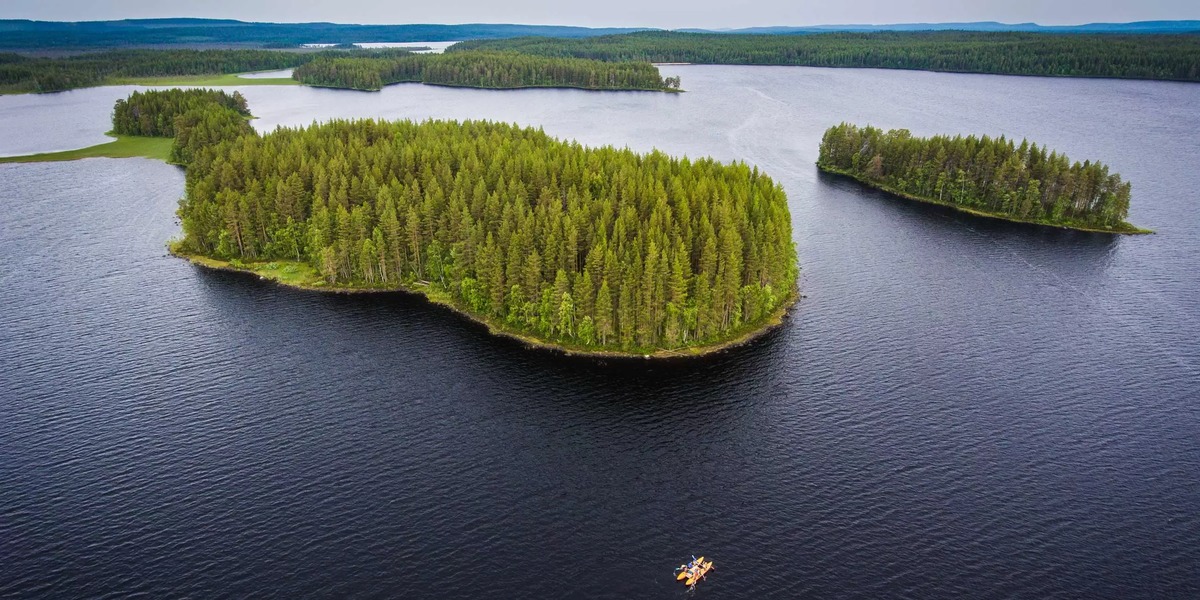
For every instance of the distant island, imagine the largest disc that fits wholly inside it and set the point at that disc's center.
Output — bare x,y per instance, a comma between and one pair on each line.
990,177
1144,56
591,251
481,69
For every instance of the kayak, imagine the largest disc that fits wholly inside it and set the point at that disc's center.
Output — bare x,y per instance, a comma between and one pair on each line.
699,572
684,570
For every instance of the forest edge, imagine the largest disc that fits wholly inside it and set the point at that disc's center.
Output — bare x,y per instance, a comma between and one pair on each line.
1131,230
313,283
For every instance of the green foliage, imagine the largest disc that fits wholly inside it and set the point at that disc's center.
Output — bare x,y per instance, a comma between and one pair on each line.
993,175
480,69
153,113
85,70
590,247
196,118
1173,57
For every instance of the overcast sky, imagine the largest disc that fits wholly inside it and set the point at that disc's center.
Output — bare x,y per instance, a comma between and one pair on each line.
669,14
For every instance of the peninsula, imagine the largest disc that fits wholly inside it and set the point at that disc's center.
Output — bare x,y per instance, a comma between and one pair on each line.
1172,57
990,177
482,69
358,69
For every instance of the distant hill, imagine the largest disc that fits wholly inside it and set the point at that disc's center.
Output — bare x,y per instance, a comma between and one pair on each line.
1135,27
34,35
55,35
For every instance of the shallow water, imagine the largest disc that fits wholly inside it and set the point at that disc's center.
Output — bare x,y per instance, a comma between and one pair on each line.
280,74
959,408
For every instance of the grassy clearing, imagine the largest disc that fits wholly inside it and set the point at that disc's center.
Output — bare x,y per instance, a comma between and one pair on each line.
226,80
125,146
287,272
229,79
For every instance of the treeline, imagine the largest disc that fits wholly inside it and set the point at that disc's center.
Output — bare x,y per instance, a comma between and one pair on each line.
594,248
196,118
990,175
1171,57
19,74
481,70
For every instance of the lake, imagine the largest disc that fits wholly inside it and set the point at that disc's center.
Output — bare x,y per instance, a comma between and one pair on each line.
958,408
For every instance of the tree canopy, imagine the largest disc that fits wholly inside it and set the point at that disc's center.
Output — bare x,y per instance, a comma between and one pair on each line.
591,248
995,176
153,113
482,70
1173,57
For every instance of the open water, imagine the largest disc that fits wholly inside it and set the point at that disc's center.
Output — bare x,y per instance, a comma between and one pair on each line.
958,408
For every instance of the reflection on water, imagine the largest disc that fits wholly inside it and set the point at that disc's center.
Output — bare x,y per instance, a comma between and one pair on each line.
957,405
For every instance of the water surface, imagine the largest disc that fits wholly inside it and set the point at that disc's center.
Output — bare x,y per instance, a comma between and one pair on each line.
280,74
959,408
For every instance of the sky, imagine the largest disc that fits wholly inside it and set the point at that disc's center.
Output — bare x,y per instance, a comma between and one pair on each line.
667,14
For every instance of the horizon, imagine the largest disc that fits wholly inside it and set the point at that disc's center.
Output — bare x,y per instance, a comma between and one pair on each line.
671,15
559,24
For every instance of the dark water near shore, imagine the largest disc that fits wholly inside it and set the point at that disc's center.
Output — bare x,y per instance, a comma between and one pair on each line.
960,408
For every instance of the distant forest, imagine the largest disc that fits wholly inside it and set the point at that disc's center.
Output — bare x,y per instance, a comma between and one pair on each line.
29,35
482,70
19,73
1169,57
994,176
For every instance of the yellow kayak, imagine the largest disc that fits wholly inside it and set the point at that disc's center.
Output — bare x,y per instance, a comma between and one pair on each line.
685,570
701,571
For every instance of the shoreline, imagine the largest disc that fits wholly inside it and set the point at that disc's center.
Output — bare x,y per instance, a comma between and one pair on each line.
211,80
441,299
479,87
1130,230
124,146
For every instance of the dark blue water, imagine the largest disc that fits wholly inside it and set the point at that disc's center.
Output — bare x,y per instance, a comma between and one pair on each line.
959,408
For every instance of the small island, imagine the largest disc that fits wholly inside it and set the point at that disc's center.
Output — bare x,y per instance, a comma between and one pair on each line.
482,69
989,177
591,251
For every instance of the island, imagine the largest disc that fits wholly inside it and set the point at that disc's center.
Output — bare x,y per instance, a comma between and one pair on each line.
482,69
990,177
589,251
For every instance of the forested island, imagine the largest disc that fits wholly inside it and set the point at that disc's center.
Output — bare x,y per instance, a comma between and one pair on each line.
993,177
586,250
1169,57
482,69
